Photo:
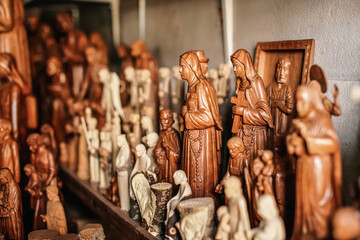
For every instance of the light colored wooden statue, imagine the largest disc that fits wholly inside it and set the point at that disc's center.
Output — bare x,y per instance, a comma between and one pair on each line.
115,132
106,102
123,168
135,135
83,158
105,153
131,78
88,115
146,125
271,226
177,89
115,94
151,140
143,162
164,88
224,77
55,216
239,216
223,229
214,77
192,226
93,148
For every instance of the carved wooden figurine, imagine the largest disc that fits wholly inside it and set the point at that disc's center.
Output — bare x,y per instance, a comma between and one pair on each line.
238,166
318,171
271,226
177,90
224,77
172,216
11,224
123,168
123,52
202,122
13,37
35,185
98,42
167,150
223,229
55,216
239,217
9,152
251,112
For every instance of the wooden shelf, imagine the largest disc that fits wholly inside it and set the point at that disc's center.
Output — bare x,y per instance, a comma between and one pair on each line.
118,219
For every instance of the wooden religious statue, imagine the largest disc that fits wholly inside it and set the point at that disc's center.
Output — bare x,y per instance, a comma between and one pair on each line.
201,122
60,95
11,223
238,166
167,150
251,112
55,216
13,37
98,42
9,151
123,52
313,140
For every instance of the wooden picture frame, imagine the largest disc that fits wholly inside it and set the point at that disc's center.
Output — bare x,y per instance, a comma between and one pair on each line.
299,52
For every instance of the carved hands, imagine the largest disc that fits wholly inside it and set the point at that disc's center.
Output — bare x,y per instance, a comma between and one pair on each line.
238,110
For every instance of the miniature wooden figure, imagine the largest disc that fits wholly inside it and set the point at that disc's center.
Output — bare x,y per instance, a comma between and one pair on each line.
35,184
105,153
202,127
164,88
271,226
251,113
238,166
48,137
9,152
167,150
83,169
129,73
172,216
11,224
135,135
98,42
315,144
239,217
123,168
123,52
223,229
55,216
112,192
13,37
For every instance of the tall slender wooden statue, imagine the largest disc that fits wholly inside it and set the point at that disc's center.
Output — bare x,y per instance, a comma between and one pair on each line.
201,119
13,36
9,151
251,112
11,224
314,142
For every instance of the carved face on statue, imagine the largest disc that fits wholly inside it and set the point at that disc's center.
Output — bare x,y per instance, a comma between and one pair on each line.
53,65
235,146
184,70
5,128
140,150
282,70
64,21
166,118
137,48
34,141
239,70
303,102
90,54
179,177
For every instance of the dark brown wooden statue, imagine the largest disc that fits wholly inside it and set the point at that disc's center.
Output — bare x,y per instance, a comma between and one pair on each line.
11,224
123,52
314,142
167,150
13,36
9,151
251,113
97,41
201,121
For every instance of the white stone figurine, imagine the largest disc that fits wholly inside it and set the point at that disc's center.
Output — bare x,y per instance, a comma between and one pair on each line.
131,78
135,135
164,87
143,162
177,92
271,226
94,151
192,226
115,132
223,229
105,153
239,216
214,77
151,140
123,168
106,101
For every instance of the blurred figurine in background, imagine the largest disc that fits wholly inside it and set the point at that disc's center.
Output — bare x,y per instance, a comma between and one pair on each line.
11,223
164,87
9,151
224,86
314,142
55,216
98,42
105,153
123,52
167,150
345,224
